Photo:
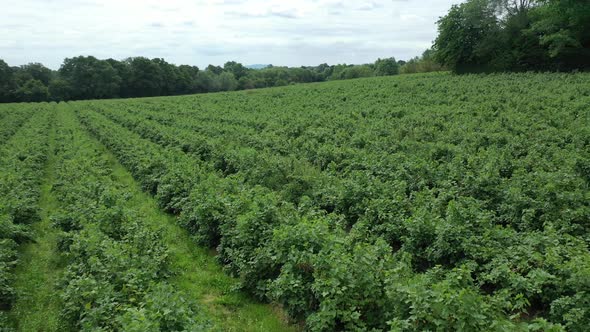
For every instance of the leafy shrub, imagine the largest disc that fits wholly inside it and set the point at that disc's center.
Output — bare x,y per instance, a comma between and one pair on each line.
440,202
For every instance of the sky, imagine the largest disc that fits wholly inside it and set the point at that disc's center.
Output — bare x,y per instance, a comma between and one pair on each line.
202,32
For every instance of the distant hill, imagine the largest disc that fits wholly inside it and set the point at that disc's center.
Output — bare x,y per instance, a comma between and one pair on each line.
257,66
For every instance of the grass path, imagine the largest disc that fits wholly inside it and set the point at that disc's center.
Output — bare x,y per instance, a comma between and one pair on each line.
197,274
37,306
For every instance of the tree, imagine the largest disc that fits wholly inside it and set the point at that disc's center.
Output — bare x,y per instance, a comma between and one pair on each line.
214,69
5,81
245,83
32,91
90,78
467,35
512,7
515,35
303,75
86,77
169,76
123,70
521,48
324,70
207,81
343,72
386,67
564,26
227,82
235,68
145,78
422,64
60,90
187,79
38,72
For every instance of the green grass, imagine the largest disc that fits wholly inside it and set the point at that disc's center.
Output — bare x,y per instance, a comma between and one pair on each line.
196,273
37,307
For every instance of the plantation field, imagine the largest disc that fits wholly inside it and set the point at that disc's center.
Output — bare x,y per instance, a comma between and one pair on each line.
411,203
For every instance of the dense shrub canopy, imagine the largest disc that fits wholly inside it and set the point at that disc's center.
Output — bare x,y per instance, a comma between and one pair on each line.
412,203
515,35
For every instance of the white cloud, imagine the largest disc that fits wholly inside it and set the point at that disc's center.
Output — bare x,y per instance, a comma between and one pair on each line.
199,32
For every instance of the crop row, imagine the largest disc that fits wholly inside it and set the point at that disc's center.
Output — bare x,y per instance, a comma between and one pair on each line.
117,267
22,160
13,117
292,177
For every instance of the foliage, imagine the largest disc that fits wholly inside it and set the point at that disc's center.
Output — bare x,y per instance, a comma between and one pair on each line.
492,35
464,35
164,310
22,158
32,91
117,268
5,81
89,78
422,64
418,202
386,67
86,77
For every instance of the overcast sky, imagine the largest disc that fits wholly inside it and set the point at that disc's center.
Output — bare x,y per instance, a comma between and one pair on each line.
200,32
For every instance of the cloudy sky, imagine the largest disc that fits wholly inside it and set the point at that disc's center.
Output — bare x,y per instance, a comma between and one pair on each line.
200,32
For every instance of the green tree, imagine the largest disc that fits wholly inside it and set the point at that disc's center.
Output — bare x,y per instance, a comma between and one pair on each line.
245,83
215,69
32,91
5,81
352,72
123,70
169,76
515,35
207,81
60,90
38,72
235,68
386,67
513,7
324,70
90,78
564,26
145,78
227,82
467,36
422,64
187,79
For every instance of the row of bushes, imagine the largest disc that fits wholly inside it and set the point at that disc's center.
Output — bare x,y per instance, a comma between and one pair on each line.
306,260
117,267
22,161
13,117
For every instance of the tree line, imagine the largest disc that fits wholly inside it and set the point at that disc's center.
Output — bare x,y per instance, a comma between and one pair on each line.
515,35
475,36
86,77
